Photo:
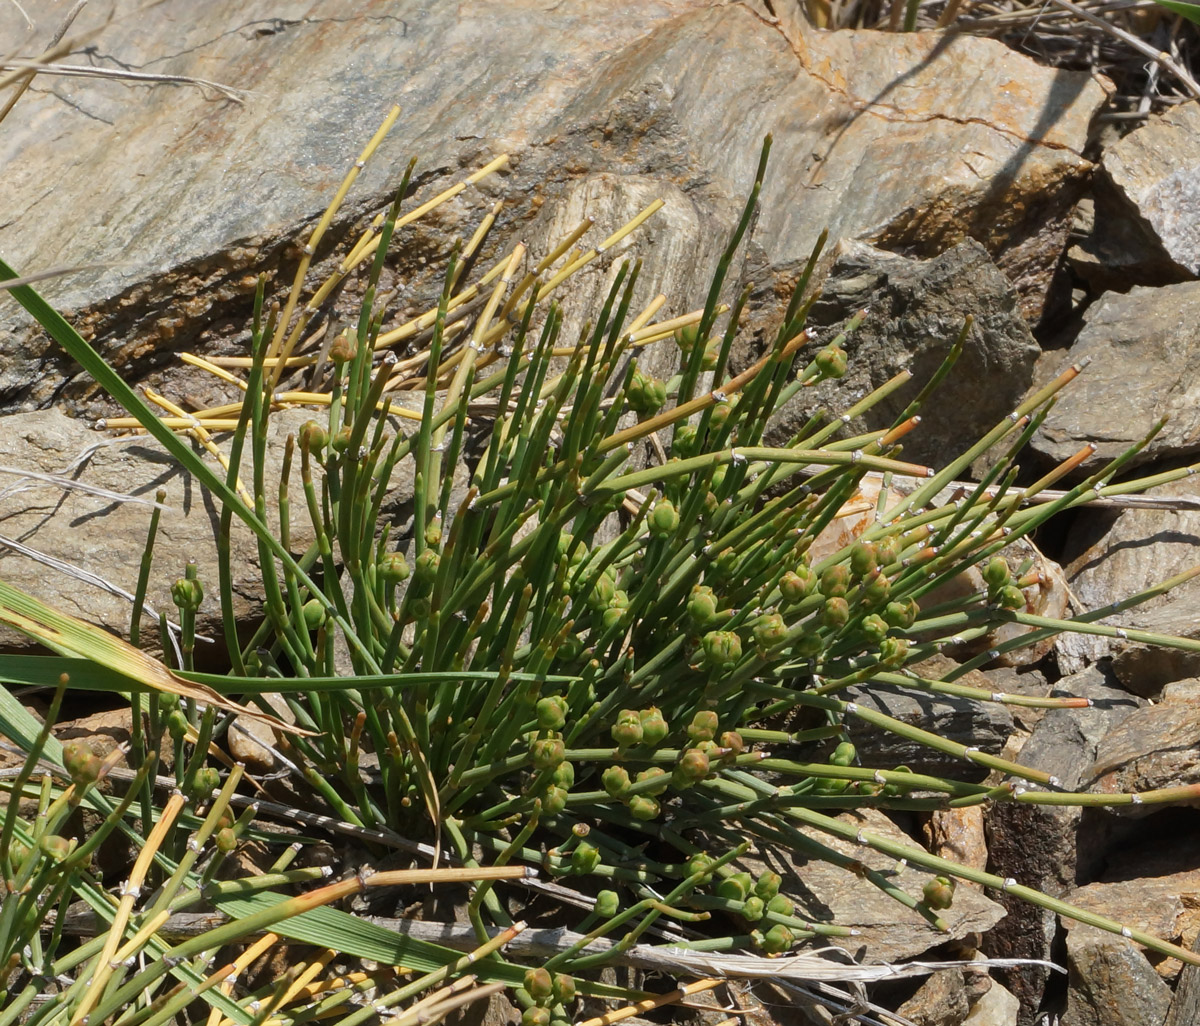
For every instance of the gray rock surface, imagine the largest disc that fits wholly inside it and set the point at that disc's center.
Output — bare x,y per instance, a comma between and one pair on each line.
940,1001
1155,171
997,1007
106,538
1116,557
199,193
917,308
1140,226
1145,357
985,725
1150,883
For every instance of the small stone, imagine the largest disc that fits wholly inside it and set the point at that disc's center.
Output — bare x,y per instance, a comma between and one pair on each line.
1111,983
940,1001
916,309
1144,352
997,1007
888,932
1152,179
958,834
1153,747
253,742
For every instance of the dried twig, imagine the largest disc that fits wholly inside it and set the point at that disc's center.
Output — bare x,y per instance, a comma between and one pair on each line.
56,49
88,71
71,485
53,272
1158,56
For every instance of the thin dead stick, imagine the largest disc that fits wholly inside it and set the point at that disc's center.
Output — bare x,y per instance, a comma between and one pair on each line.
79,574
807,966
1158,56
41,67
69,484
56,49
53,272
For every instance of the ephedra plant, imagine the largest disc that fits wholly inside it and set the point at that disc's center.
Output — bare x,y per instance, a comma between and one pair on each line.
602,661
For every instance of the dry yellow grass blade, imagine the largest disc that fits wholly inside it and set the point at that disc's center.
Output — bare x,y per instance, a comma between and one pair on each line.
64,634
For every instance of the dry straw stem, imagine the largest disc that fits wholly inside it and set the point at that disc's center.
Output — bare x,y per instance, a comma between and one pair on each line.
55,272
283,343
229,972
102,968
43,67
672,997
480,352
810,966
1158,56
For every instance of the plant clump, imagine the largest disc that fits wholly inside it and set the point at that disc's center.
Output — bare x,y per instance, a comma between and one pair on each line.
619,657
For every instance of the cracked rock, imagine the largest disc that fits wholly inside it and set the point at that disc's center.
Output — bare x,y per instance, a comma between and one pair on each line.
912,141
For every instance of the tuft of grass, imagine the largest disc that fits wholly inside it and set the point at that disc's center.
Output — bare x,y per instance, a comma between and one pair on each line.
602,657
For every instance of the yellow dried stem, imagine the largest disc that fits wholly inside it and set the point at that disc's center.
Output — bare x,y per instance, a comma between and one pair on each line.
632,225
226,975
140,939
358,252
399,383
545,264
248,361
575,262
454,190
102,968
425,321
212,368
277,346
305,977
662,329
370,247
199,432
334,983
670,998
184,423
422,1007
362,249
586,258
476,240
644,318
215,418
481,337
425,1014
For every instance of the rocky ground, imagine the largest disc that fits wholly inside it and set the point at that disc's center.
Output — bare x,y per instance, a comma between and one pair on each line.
955,176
